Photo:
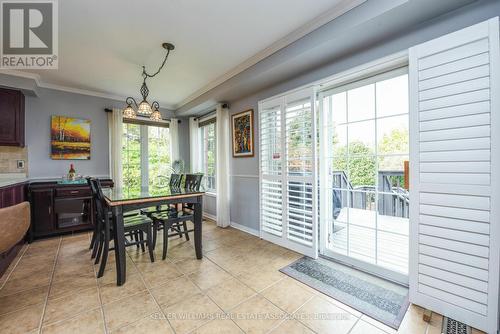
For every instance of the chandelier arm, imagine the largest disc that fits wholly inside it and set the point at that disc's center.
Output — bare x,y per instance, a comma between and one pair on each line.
147,75
131,100
155,105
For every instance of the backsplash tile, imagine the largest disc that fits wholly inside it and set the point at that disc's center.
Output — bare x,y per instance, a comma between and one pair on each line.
8,159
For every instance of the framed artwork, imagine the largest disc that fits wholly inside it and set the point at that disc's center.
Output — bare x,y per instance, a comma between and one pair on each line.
69,138
242,125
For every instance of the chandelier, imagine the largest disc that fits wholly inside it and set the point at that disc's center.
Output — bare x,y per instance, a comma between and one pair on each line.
144,108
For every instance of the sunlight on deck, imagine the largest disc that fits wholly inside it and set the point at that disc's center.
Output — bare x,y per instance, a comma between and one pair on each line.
365,227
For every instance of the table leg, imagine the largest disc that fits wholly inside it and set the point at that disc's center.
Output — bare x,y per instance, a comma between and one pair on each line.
119,243
198,207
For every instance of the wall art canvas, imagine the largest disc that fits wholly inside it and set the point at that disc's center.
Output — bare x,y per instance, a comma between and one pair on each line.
242,125
70,138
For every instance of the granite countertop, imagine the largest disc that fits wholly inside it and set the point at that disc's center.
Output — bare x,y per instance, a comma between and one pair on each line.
12,179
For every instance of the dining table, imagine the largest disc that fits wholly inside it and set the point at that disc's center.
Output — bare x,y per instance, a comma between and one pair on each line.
120,201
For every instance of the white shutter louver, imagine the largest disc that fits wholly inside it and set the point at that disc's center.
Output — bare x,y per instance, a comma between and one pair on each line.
287,172
454,189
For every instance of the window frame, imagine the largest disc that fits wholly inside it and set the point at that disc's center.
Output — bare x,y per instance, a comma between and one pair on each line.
144,147
203,126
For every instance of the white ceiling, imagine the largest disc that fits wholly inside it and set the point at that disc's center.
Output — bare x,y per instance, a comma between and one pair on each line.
103,44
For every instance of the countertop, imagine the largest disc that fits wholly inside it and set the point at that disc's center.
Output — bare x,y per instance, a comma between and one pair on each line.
12,179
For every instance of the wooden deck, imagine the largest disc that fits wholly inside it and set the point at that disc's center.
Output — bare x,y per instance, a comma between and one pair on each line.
391,250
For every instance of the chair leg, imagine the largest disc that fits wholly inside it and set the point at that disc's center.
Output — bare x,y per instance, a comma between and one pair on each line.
150,244
105,254
186,234
92,241
99,249
136,238
166,228
95,246
155,233
141,240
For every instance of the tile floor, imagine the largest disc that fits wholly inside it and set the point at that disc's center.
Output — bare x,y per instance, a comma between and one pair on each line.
52,288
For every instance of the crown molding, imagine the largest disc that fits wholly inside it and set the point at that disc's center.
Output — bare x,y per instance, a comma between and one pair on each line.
39,83
336,11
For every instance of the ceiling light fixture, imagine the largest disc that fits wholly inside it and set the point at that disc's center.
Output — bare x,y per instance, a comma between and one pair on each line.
144,108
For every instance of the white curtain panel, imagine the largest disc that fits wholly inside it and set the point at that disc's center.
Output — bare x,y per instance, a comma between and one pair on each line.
174,139
115,124
222,168
194,145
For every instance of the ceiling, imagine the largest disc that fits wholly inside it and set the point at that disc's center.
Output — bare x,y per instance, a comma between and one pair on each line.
103,44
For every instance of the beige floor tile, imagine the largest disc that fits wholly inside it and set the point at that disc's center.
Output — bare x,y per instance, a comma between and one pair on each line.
21,321
151,324
22,299
335,302
83,323
188,266
128,310
258,278
17,285
79,282
111,292
287,295
293,327
378,324
412,322
209,277
181,251
314,312
219,326
363,327
257,315
71,304
159,274
191,313
174,291
229,293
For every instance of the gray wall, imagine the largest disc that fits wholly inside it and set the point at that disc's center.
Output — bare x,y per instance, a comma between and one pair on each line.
244,189
50,102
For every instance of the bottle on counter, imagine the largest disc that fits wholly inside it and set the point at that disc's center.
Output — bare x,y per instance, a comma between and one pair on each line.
71,173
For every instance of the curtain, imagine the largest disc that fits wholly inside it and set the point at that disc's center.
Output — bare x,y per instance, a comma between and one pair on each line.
174,139
222,166
115,125
194,145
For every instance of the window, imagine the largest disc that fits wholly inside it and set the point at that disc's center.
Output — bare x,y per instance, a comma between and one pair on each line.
208,154
145,156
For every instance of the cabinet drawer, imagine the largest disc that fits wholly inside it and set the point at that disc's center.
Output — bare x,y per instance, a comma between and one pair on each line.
73,192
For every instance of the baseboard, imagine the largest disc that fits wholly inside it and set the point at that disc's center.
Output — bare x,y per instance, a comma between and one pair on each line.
209,216
245,229
237,226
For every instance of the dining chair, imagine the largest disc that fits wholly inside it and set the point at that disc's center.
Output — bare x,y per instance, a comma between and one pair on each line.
174,220
135,227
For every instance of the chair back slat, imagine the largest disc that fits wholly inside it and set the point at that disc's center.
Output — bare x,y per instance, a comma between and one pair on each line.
193,181
99,201
175,180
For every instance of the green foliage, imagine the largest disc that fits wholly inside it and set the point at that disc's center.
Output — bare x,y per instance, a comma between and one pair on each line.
361,164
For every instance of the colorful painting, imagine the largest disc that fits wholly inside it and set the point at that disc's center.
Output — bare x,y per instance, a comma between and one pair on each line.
243,134
70,138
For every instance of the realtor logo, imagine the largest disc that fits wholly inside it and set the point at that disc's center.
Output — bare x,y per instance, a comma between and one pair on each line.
29,34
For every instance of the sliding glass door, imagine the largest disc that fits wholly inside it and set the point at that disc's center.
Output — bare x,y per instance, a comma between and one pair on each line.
363,152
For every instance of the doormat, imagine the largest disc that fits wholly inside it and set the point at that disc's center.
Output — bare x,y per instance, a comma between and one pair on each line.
379,299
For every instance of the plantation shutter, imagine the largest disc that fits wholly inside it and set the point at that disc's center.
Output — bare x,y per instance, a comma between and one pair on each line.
287,178
454,185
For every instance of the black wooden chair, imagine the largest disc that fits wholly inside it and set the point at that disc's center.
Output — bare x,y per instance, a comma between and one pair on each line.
135,227
174,220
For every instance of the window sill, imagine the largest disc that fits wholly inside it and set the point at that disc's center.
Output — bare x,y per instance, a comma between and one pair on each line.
210,194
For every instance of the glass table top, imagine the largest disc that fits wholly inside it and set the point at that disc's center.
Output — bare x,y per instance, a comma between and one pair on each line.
123,194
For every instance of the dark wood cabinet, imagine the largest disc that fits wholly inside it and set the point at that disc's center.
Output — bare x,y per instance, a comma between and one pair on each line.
11,117
57,209
42,211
